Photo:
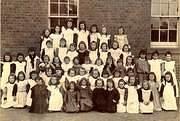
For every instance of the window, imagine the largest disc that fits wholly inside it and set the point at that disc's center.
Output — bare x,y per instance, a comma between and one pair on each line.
165,21
61,10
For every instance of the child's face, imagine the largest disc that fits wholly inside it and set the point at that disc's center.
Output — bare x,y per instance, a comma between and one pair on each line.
34,76
126,48
145,85
115,45
94,29
49,72
76,61
104,30
155,56
46,59
82,46
167,77
20,58
31,53
132,81
168,57
12,79
67,60
57,29
69,24
99,83
120,30
7,58
53,80
82,26
49,45
151,77
72,87
82,72
39,82
95,73
117,74
72,48
104,47
59,72
99,62
72,73
93,46
21,77
84,83
129,60
47,32
105,75
62,43
56,60
120,63
110,84
143,56
121,84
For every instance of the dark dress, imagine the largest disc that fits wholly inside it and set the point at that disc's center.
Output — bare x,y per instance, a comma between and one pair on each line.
82,56
86,103
71,100
39,97
99,99
111,95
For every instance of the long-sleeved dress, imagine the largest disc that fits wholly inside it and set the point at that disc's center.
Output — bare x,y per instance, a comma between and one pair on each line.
82,56
121,107
111,95
39,99
99,99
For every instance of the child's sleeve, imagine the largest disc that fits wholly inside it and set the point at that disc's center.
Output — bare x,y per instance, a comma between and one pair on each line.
151,96
1,69
78,97
117,97
14,90
13,68
27,88
140,95
161,90
175,93
89,41
42,54
75,39
126,94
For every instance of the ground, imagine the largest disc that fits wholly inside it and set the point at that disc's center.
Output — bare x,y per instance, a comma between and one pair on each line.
23,115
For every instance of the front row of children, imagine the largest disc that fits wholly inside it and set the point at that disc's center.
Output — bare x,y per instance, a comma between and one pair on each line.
81,97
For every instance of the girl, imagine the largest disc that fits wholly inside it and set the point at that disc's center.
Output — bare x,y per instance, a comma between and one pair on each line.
121,107
69,32
20,63
39,97
8,98
62,50
47,75
44,38
156,65
21,90
76,64
99,96
94,75
125,53
48,51
146,98
86,103
7,67
120,67
168,93
56,98
99,64
45,62
104,52
31,83
71,76
82,74
142,66
83,33
56,63
82,52
109,65
115,51
121,37
105,37
105,76
72,52
112,97
94,35
116,77
66,64
132,99
154,86
169,65
129,62
32,61
56,36
93,53
72,99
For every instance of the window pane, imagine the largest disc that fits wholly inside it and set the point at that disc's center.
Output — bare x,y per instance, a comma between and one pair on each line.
155,23
53,22
64,9
53,9
155,9
72,10
164,1
155,35
163,35
172,35
63,0
53,0
155,1
164,10
173,23
173,9
164,23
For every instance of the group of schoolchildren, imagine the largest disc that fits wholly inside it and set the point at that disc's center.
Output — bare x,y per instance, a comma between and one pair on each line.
80,70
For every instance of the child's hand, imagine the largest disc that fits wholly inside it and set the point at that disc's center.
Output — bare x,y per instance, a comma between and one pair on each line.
114,101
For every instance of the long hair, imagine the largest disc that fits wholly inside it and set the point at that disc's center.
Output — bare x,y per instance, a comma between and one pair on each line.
94,25
10,75
111,81
171,80
21,72
32,57
87,82
82,22
57,81
43,33
20,54
7,54
153,53
155,78
121,80
75,86
99,80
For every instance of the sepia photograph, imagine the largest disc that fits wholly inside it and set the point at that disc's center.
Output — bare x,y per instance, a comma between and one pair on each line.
90,60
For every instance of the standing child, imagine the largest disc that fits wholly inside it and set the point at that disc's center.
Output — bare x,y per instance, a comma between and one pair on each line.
7,67
56,36
86,103
129,62
145,98
72,53
99,96
94,74
105,37
132,99
104,52
56,63
112,97
168,93
67,64
62,50
125,53
21,90
99,64
56,98
83,33
121,107
115,51
93,51
142,66
20,63
121,37
82,52
45,37
154,86
39,97
32,61
8,97
72,99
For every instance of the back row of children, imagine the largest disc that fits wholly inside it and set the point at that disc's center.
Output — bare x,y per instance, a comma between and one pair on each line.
81,71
